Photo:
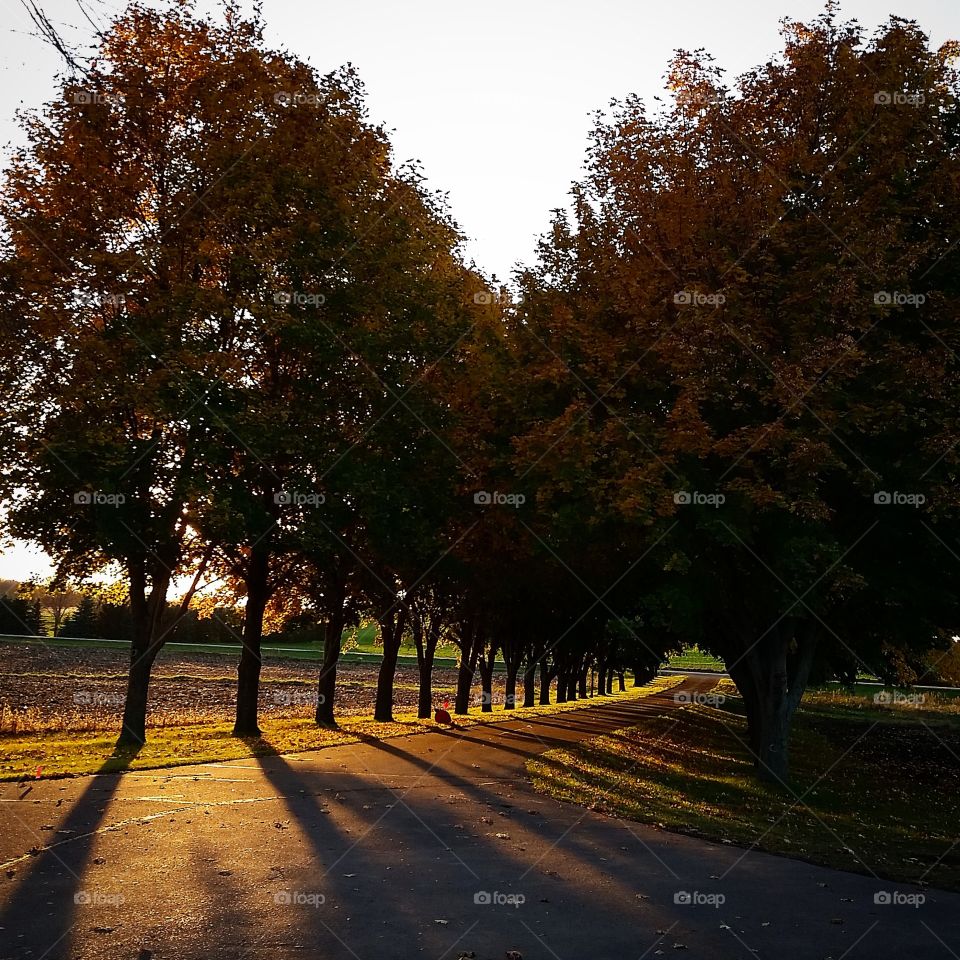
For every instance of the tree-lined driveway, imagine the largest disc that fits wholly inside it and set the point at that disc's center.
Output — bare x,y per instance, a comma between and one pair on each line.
429,846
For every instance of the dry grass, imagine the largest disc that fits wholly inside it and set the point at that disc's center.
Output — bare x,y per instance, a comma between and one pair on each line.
875,792
66,753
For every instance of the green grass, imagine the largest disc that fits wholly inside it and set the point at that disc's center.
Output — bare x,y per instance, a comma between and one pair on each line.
58,754
693,658
872,792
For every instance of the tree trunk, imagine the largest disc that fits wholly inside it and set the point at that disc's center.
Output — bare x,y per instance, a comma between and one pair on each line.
133,732
530,684
561,686
391,632
510,687
621,681
469,651
486,662
582,684
486,686
572,686
248,670
146,644
771,677
544,683
327,683
426,650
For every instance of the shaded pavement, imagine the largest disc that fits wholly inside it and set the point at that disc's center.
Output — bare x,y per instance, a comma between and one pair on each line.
432,846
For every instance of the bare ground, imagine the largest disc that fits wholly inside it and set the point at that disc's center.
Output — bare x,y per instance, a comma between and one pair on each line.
56,688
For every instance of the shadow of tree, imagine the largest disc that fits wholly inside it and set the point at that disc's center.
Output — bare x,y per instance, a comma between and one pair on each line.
46,901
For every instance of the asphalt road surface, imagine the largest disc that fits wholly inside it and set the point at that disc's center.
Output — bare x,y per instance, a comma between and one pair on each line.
432,846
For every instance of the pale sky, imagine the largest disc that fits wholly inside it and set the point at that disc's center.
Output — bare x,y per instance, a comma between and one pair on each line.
494,98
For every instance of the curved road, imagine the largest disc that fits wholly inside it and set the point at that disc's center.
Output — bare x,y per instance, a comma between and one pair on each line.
432,846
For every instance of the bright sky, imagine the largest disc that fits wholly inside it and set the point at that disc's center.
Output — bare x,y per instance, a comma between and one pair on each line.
494,97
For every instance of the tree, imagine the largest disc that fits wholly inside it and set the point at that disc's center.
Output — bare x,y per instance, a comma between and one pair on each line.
120,295
19,615
83,621
55,603
732,377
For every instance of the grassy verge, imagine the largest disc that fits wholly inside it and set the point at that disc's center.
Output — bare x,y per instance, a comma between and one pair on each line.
695,659
69,754
874,791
